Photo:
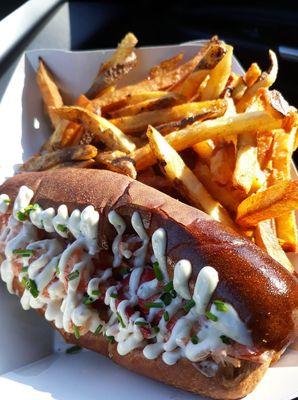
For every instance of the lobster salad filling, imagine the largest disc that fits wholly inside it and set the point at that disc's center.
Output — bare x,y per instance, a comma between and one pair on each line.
129,297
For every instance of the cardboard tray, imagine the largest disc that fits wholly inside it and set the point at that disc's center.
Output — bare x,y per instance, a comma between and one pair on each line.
33,362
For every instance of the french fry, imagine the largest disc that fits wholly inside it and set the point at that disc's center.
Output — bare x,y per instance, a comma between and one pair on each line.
218,77
49,91
252,74
265,80
267,240
148,177
273,202
117,161
283,146
122,61
138,123
204,149
264,145
222,163
54,140
48,160
108,133
165,66
76,164
169,100
189,87
211,129
184,179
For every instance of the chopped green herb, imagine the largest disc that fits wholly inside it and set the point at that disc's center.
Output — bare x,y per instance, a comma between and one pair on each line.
23,252
153,305
73,350
96,293
194,339
141,323
62,228
7,201
30,285
220,305
173,294
168,287
166,298
111,339
24,269
189,305
87,300
73,275
97,330
22,216
120,319
155,328
225,339
211,316
76,332
114,295
157,271
57,268
166,316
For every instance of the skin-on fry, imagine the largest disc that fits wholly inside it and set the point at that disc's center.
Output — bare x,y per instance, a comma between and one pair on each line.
117,161
189,87
184,179
204,149
76,164
169,100
218,77
122,61
212,129
222,163
283,147
49,91
265,80
272,202
109,134
48,160
139,123
165,66
264,145
266,239
252,74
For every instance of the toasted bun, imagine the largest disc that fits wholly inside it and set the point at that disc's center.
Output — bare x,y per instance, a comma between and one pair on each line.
264,294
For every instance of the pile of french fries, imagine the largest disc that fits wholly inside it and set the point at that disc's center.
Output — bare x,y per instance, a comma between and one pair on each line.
194,129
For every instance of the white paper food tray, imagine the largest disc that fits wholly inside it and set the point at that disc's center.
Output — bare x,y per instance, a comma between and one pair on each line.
33,363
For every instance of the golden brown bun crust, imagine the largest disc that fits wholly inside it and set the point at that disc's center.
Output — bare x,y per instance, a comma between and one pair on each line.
261,290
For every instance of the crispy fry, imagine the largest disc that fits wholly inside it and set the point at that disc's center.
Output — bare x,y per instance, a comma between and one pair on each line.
104,129
137,123
189,87
169,100
265,80
122,61
283,147
252,74
48,160
117,161
49,91
184,179
264,145
76,164
54,140
275,201
222,163
204,149
165,66
218,77
220,127
148,177
266,239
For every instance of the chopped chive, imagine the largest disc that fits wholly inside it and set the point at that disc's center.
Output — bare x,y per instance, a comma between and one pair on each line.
30,285
168,287
23,253
24,269
96,293
7,201
154,305
73,275
21,216
97,330
155,328
225,339
194,339
211,316
76,332
166,298
114,295
141,323
157,271
189,305
62,228
73,350
57,268
111,339
220,305
173,294
166,316
120,319
87,300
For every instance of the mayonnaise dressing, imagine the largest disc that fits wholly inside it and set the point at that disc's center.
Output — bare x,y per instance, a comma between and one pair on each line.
206,283
60,220
4,203
22,200
182,273
120,227
140,254
159,244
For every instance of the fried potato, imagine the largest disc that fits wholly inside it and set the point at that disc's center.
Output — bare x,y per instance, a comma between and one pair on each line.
252,74
122,61
265,238
117,161
169,100
184,179
76,164
189,87
265,80
138,123
213,129
108,133
165,66
283,146
218,77
204,149
49,91
222,163
48,160
264,146
273,202
148,177
54,140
